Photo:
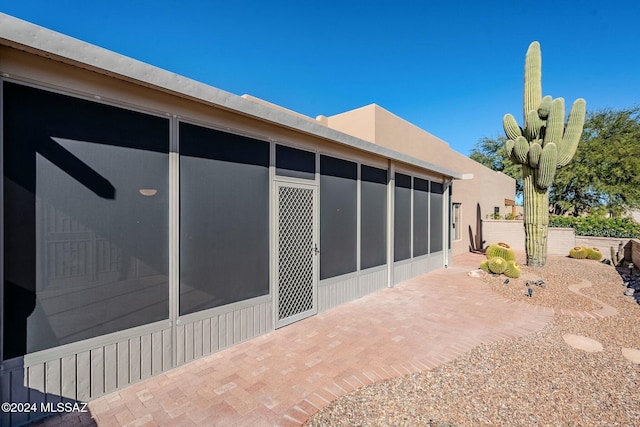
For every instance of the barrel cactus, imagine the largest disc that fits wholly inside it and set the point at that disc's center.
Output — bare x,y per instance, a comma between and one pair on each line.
501,250
497,265
578,252
513,270
484,265
594,253
541,146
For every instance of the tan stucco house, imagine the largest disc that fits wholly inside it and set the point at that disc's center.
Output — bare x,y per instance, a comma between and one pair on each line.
149,219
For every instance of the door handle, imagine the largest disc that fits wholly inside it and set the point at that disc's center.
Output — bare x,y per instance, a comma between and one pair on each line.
315,249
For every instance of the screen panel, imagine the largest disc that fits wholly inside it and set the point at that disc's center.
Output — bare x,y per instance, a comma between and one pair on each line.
437,226
85,219
295,163
402,218
224,218
373,217
338,216
420,217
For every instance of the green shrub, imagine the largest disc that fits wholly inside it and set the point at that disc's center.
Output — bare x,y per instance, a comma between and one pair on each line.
598,226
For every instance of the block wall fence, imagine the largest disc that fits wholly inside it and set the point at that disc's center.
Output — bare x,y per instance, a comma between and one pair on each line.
560,240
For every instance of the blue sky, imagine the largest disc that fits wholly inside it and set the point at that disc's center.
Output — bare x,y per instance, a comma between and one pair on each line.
452,68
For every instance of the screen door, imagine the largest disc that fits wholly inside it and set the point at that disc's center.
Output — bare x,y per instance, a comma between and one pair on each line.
296,255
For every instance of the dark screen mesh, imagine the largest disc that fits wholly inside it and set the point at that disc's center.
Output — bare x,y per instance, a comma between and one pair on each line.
402,218
436,216
224,218
338,217
85,219
373,217
420,217
295,163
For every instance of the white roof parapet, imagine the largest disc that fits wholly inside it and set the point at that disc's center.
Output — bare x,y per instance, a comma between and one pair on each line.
32,38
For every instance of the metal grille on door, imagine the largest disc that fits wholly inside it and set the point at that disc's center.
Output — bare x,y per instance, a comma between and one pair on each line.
295,254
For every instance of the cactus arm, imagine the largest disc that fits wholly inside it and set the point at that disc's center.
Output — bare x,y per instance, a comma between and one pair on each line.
569,144
509,146
555,122
532,78
545,107
533,125
521,150
547,166
534,154
511,128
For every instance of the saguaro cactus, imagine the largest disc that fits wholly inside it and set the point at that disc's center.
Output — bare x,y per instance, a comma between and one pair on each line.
542,146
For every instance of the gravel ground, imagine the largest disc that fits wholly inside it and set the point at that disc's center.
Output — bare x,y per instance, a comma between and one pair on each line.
557,274
536,380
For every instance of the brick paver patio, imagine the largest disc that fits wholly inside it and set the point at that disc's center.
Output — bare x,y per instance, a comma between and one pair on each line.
282,378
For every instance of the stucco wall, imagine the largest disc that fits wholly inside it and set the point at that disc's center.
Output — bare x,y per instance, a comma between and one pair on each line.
358,122
605,244
560,240
509,232
488,188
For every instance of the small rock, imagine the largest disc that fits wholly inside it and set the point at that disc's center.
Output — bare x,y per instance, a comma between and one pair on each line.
582,343
631,354
477,273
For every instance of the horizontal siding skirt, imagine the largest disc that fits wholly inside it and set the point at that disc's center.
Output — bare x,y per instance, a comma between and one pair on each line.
197,339
156,353
19,378
251,330
167,354
146,356
134,359
110,368
35,380
97,372
222,332
237,326
53,385
206,336
83,376
188,342
215,334
70,377
180,344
